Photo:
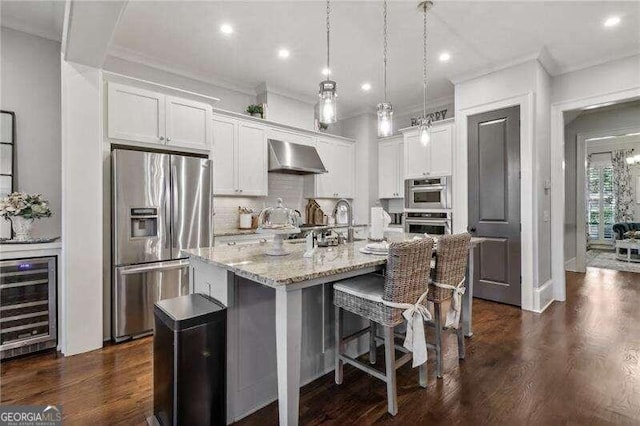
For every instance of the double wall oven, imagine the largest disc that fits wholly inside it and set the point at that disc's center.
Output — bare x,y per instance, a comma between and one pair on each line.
428,193
427,206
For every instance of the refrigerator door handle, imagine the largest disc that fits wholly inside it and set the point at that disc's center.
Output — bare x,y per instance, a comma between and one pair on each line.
175,211
165,266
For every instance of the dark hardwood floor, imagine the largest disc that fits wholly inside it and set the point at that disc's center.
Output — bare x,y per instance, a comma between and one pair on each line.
578,363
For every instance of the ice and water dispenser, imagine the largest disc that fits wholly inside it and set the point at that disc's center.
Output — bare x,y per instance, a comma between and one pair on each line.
144,222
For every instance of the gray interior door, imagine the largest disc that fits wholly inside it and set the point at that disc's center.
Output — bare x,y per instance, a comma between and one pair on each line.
494,203
191,225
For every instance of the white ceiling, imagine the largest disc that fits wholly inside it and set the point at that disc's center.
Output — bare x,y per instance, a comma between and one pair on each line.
184,36
41,18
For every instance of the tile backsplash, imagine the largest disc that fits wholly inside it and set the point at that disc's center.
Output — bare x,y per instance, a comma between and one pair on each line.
281,185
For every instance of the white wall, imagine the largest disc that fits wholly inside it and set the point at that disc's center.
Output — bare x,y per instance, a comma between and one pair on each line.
597,121
231,100
284,109
526,85
30,81
543,172
82,218
363,128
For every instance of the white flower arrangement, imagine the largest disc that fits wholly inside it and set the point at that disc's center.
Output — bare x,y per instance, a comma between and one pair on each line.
28,206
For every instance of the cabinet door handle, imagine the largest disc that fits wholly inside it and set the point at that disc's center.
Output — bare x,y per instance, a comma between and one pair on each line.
240,190
168,139
161,138
231,243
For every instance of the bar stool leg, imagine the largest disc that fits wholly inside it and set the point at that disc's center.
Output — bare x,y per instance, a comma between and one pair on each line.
372,342
423,375
339,344
390,361
460,333
438,326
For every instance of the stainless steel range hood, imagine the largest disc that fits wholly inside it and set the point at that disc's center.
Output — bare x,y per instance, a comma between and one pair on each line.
287,157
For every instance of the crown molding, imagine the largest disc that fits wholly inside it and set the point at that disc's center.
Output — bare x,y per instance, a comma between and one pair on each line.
541,57
433,103
16,24
140,58
600,61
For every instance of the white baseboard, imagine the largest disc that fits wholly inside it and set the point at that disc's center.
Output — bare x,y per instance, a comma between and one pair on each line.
543,297
571,265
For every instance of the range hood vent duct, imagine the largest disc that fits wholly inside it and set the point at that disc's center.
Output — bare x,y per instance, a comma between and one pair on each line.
293,158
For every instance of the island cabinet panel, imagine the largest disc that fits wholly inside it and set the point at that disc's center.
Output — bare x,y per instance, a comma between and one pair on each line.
239,156
251,329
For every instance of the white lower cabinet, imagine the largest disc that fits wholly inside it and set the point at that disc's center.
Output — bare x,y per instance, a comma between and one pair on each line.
338,157
391,168
239,156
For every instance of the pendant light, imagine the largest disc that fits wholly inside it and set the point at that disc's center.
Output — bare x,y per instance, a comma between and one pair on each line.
424,122
327,107
385,110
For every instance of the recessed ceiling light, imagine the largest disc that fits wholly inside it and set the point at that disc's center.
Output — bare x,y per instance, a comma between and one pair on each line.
612,21
326,71
226,29
283,53
366,87
445,56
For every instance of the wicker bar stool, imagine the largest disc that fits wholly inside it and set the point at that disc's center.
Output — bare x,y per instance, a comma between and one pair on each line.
447,283
382,300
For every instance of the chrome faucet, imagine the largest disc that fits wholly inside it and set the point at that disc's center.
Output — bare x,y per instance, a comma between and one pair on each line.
349,217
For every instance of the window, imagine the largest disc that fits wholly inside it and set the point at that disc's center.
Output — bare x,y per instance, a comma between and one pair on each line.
600,203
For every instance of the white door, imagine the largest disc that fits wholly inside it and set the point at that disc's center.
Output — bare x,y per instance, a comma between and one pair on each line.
416,156
188,123
135,114
223,155
252,159
324,182
441,155
387,169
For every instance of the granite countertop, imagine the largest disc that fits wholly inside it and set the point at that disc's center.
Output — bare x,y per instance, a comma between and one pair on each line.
232,232
250,261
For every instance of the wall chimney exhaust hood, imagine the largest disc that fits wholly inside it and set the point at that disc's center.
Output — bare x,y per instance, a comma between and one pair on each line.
293,158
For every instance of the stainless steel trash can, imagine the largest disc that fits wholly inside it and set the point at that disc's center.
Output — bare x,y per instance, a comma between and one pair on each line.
189,361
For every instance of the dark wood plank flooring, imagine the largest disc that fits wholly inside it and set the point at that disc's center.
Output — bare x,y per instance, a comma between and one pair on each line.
578,363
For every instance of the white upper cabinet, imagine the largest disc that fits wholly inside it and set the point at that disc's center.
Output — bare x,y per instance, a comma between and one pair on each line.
239,157
141,115
188,123
390,168
433,159
338,157
223,155
135,114
252,159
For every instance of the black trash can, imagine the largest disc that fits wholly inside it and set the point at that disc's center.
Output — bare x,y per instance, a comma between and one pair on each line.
189,361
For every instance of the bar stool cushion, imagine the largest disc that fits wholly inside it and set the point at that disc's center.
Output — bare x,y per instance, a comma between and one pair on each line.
369,287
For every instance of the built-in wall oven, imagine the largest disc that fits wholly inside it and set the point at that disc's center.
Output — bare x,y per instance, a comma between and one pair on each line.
432,223
427,193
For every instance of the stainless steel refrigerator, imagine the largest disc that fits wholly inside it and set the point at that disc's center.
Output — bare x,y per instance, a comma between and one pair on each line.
161,204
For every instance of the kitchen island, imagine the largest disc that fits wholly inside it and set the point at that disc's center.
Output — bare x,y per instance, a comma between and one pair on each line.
280,314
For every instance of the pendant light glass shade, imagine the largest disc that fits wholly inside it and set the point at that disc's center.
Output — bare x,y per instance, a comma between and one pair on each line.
385,119
327,106
425,131
328,96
